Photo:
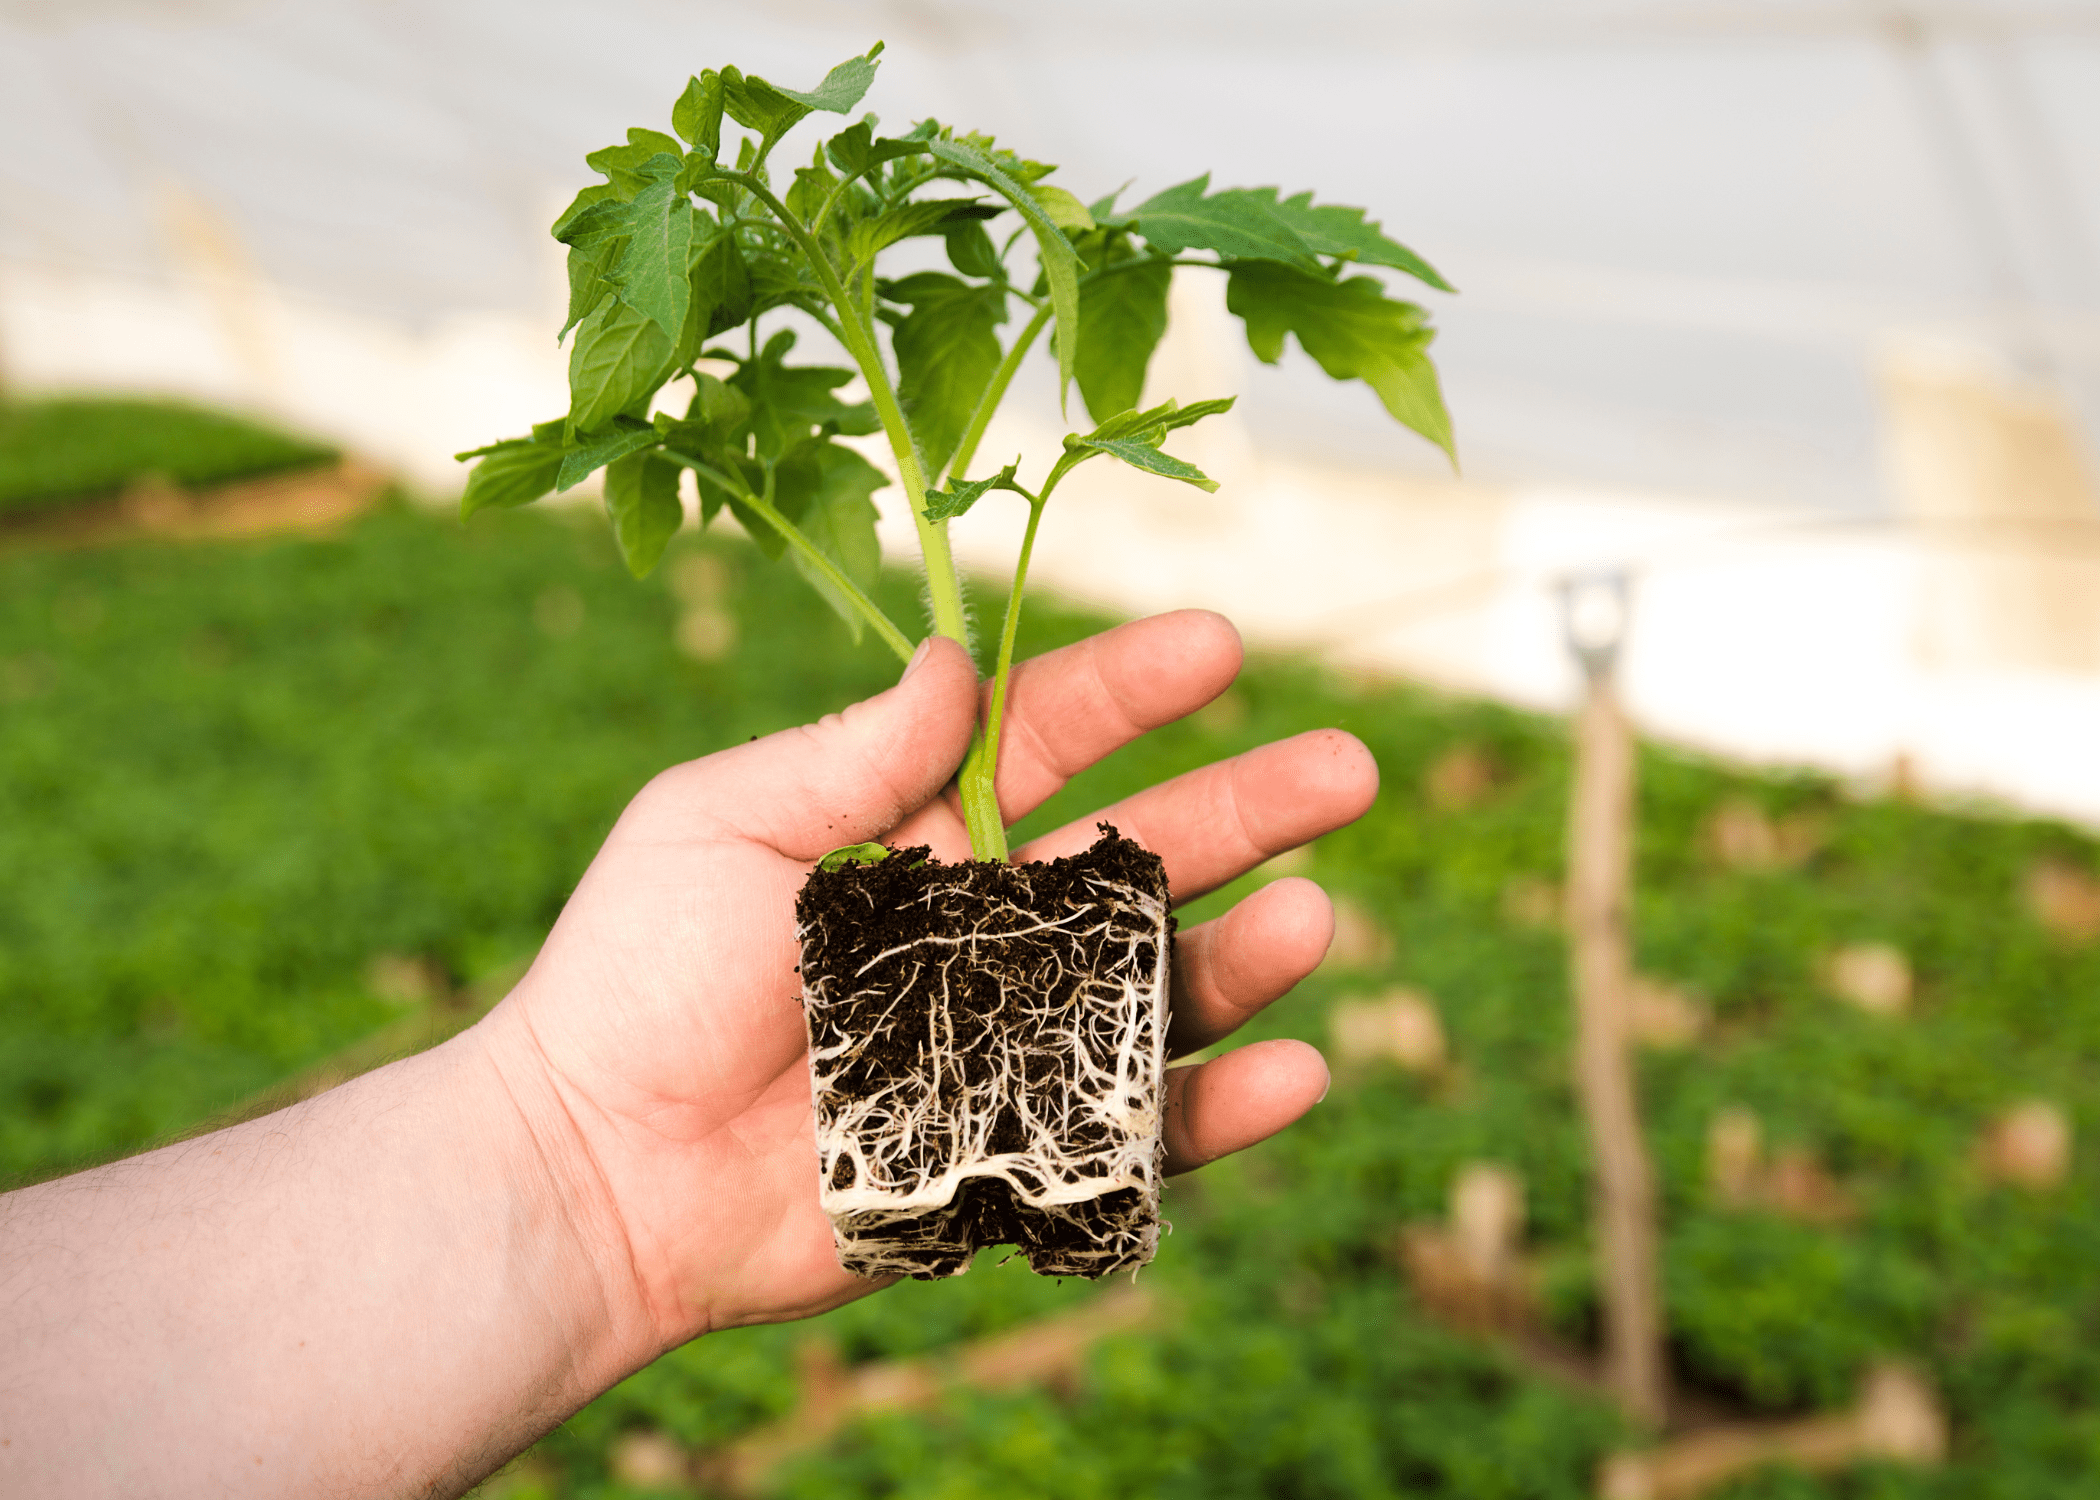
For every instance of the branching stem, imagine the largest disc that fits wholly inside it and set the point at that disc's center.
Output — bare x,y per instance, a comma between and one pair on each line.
855,329
943,587
978,779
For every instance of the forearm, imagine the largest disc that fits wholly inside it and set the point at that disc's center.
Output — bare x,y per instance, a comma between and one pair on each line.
385,1290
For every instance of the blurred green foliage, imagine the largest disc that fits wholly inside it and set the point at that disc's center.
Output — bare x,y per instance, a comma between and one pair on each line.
62,449
233,774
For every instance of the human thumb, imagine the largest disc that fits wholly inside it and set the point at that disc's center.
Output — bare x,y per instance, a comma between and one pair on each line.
852,776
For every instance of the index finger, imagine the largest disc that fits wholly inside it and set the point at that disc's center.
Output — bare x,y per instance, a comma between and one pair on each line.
1068,708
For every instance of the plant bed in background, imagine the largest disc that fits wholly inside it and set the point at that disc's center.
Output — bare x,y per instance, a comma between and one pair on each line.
312,500
411,738
986,1042
59,452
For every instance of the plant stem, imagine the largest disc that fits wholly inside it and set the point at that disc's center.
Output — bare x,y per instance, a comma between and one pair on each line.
978,780
995,393
870,611
943,587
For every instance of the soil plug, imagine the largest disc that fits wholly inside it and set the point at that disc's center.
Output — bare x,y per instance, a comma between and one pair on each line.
986,1046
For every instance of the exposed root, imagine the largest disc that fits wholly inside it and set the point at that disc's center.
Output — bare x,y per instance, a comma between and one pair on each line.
986,1049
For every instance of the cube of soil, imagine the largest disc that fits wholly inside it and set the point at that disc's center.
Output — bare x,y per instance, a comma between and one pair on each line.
986,1047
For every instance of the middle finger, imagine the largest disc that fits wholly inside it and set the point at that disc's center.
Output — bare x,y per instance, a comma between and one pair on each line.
1228,969
1216,823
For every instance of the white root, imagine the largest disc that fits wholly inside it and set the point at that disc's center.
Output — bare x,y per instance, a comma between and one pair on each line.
1034,1055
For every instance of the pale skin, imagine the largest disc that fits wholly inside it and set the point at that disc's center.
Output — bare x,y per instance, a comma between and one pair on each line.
392,1288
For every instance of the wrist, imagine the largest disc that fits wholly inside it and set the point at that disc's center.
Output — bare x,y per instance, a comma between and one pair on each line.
562,1194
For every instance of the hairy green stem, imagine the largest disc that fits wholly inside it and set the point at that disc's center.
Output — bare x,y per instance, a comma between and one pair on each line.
869,610
943,586
978,780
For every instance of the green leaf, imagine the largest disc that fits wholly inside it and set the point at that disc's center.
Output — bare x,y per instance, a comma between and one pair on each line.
588,267
641,497
1331,229
514,472
961,494
757,105
624,164
853,854
1060,264
812,186
780,278
1235,222
1122,317
1064,210
721,284
1012,163
607,220
1153,424
789,402
637,248
773,111
856,149
713,430
1142,455
699,174
718,191
618,360
1353,330
652,276
906,220
843,85
591,451
971,252
947,354
597,192
1103,211
1172,416
721,406
824,490
698,113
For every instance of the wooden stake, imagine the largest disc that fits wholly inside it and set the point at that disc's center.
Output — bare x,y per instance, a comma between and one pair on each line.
1600,857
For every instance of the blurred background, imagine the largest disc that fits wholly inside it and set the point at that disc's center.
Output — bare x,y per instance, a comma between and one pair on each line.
1786,310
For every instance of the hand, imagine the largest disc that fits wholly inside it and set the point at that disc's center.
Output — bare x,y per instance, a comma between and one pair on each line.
657,1045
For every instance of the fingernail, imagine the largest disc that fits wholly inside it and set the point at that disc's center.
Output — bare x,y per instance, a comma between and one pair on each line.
917,657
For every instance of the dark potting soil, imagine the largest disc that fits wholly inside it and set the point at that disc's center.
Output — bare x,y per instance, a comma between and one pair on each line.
986,1047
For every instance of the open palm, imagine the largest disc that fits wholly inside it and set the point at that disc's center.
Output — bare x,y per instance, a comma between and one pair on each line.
663,1009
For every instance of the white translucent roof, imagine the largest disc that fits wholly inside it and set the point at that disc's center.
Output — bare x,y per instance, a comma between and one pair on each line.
1680,228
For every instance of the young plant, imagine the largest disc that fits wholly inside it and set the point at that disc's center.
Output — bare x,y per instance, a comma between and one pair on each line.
1036,1121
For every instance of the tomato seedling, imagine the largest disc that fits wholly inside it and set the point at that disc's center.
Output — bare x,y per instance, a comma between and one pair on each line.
987,1041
